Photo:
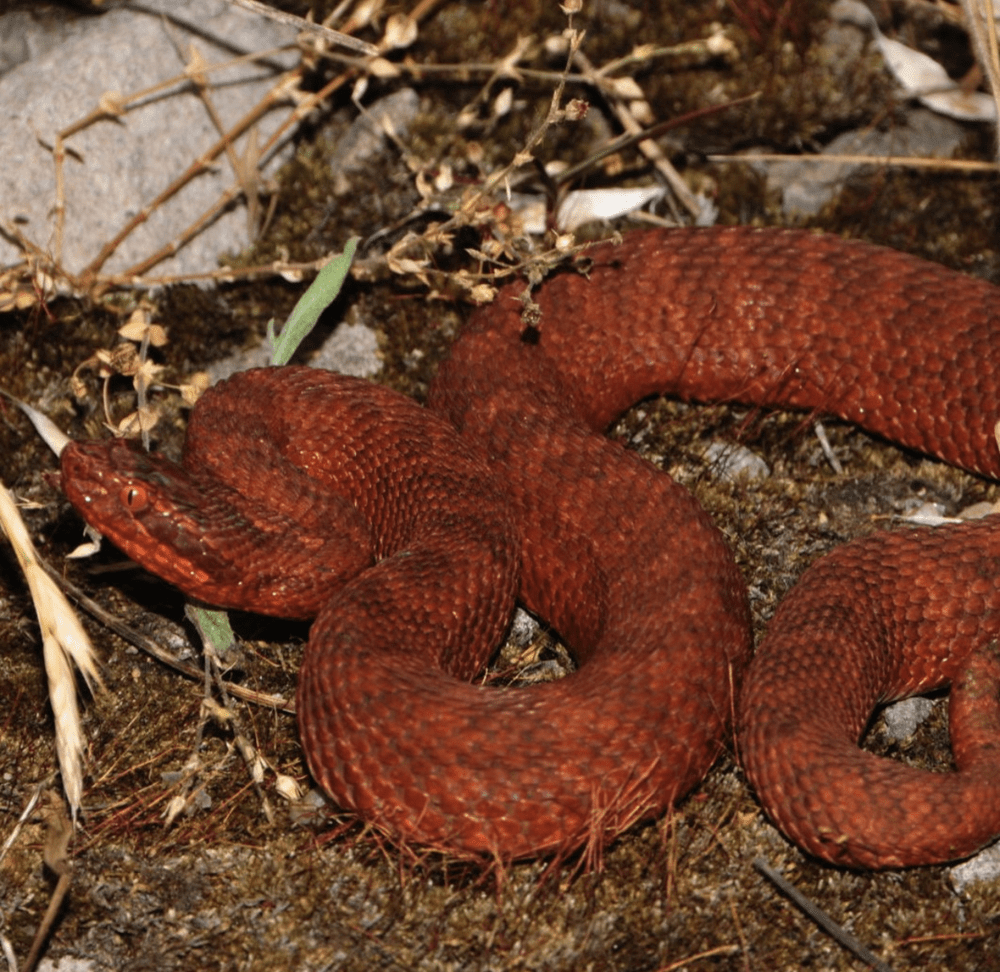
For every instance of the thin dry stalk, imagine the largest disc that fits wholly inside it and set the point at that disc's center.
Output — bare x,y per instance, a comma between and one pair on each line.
130,276
111,106
622,98
287,88
89,275
904,161
59,831
26,813
324,33
691,959
820,917
64,645
980,22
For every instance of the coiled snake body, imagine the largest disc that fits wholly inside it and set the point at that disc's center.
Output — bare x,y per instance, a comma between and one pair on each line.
408,541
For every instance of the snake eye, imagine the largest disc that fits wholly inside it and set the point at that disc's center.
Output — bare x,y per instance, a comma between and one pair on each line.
134,498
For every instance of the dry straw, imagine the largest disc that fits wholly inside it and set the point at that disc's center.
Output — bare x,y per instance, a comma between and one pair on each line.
64,645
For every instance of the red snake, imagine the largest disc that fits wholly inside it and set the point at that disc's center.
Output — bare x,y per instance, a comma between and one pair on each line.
305,493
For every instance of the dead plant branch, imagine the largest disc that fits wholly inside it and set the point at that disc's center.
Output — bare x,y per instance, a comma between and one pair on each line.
325,33
151,648
624,103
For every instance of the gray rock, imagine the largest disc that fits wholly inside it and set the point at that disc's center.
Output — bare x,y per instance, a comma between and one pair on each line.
368,134
352,349
732,462
118,166
985,866
24,35
807,187
902,718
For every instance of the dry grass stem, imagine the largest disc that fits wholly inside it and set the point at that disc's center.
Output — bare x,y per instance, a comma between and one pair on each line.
400,31
248,185
904,161
691,959
981,24
324,33
88,277
26,813
59,831
64,645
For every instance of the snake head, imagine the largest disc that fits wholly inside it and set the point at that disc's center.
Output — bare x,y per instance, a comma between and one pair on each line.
208,538
149,507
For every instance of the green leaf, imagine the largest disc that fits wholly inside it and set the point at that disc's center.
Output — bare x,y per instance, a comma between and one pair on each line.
214,625
214,628
320,295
